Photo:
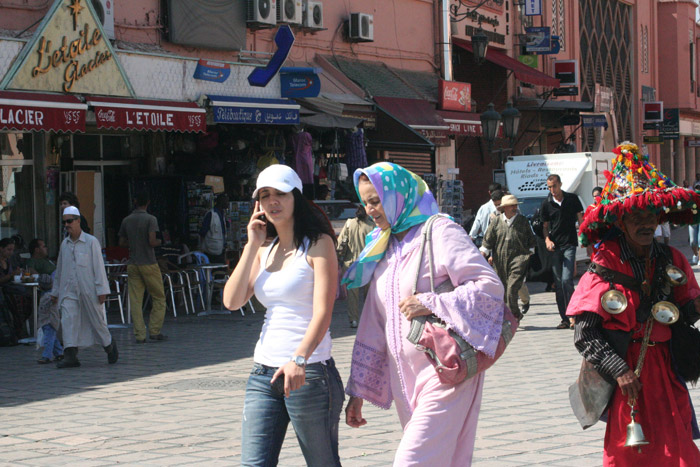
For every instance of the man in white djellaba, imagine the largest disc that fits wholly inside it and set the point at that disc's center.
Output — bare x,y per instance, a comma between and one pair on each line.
80,288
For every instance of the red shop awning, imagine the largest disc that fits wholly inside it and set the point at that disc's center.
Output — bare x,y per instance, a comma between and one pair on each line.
146,115
522,72
29,111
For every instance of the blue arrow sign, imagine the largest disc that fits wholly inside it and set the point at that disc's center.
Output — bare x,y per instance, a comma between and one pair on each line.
284,40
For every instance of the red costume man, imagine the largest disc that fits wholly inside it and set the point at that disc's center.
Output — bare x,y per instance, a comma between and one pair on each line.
636,358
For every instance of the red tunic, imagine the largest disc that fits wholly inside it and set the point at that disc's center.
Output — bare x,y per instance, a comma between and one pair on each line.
664,406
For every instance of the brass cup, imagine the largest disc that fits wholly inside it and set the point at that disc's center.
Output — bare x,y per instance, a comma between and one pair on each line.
675,275
665,312
614,302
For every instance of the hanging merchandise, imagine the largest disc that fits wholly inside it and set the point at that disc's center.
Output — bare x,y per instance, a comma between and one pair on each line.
303,156
267,160
337,171
355,154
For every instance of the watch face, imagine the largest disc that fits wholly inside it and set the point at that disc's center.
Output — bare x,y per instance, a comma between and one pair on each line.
299,360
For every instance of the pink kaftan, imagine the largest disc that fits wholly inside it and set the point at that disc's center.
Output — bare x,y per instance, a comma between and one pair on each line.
439,420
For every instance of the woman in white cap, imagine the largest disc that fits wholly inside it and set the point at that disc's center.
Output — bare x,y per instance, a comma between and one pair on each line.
295,276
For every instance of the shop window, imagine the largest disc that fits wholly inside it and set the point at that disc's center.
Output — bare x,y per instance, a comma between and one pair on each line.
86,147
16,186
115,147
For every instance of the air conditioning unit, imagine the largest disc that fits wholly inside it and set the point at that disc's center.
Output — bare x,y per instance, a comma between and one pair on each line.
361,27
289,11
262,12
312,16
105,13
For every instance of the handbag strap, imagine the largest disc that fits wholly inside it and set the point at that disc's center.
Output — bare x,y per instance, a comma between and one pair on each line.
427,239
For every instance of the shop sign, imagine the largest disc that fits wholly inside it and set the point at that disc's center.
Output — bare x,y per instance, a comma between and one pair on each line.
284,39
31,113
139,115
467,128
229,109
566,71
692,143
603,99
567,91
299,82
529,60
69,54
653,111
653,140
208,70
437,137
539,39
670,127
455,95
533,7
594,121
648,93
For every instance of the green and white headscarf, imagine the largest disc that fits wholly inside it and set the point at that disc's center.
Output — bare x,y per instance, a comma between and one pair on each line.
407,201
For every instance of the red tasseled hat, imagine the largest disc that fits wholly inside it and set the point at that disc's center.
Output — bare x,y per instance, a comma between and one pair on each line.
636,184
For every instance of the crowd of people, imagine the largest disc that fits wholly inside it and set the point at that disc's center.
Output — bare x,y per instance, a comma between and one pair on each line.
632,312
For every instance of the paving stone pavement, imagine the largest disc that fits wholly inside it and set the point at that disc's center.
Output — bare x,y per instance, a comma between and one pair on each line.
179,402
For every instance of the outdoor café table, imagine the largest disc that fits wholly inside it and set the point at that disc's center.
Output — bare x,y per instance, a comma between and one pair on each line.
207,269
35,306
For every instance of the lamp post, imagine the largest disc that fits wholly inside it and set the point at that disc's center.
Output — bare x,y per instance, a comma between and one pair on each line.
511,122
480,44
489,123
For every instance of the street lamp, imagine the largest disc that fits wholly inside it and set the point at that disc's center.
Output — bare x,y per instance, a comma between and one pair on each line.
511,121
489,123
480,44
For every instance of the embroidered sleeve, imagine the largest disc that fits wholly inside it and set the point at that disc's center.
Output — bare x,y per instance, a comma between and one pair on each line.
474,309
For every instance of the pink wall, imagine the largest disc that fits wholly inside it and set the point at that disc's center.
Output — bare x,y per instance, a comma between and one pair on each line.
405,31
677,29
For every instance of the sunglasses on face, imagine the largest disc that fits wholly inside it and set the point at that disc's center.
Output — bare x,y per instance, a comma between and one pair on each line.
68,221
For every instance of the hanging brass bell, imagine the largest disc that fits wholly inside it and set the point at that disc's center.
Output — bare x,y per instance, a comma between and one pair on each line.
665,312
675,275
635,435
614,302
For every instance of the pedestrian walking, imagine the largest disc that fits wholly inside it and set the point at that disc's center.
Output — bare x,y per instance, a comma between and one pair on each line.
560,212
49,321
636,358
294,377
507,245
439,420
80,289
213,231
351,242
138,232
483,215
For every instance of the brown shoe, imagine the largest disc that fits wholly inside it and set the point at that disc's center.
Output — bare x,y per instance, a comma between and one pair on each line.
563,325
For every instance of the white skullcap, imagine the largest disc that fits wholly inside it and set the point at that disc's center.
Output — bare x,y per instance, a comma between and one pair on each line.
71,211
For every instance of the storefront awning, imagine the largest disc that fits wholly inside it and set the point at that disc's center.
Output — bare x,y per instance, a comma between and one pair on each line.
522,72
146,115
28,111
228,109
418,114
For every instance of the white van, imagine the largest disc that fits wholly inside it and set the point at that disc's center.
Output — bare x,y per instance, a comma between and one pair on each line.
580,172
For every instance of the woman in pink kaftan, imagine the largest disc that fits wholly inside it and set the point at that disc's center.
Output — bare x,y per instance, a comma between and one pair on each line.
439,420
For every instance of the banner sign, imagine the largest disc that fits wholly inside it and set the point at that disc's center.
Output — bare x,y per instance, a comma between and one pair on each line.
208,70
566,71
554,48
299,82
594,121
539,39
284,39
454,95
653,111
140,115
533,7
37,112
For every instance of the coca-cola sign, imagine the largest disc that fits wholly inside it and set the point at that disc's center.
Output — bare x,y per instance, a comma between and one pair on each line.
455,95
126,114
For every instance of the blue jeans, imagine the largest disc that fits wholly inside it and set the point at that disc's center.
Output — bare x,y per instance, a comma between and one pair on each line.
52,346
314,410
563,260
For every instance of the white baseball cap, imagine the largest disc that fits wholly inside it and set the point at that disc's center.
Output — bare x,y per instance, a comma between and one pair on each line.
71,211
279,177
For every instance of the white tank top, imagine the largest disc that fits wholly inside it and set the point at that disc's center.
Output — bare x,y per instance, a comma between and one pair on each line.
288,296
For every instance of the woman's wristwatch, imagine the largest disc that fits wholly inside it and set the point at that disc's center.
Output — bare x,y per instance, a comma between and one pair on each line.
299,360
